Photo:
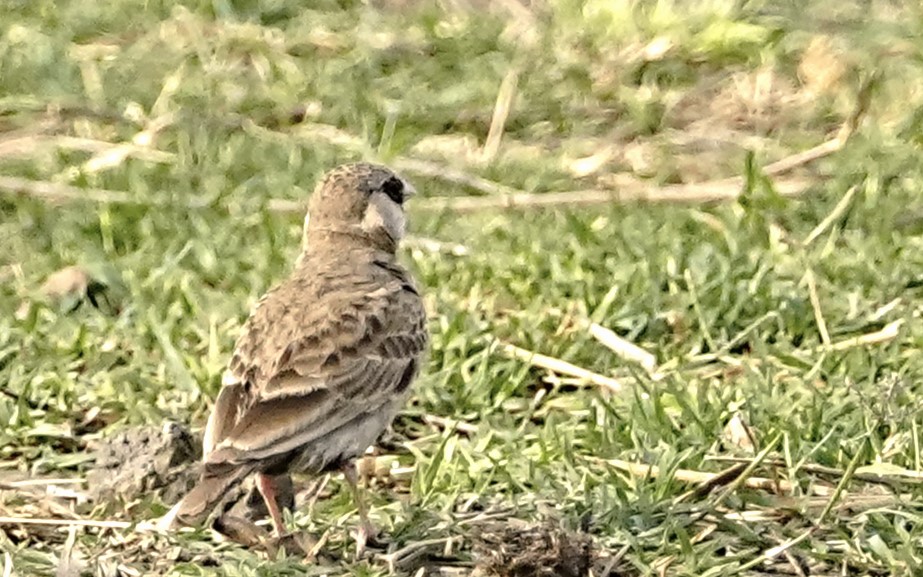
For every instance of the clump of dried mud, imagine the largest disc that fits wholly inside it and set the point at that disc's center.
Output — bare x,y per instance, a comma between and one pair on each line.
540,550
144,461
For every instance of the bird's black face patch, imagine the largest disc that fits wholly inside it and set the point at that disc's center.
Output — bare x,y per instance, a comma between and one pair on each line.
394,188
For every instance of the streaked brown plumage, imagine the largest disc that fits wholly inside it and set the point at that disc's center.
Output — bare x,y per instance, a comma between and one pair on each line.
326,359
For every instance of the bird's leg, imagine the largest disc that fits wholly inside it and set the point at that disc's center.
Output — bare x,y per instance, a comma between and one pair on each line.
264,483
366,530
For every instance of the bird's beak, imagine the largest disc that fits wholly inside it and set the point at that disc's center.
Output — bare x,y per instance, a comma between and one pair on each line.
409,189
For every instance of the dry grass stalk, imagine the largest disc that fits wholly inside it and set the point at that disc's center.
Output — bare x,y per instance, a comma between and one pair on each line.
283,206
24,141
559,366
774,552
69,563
815,305
310,132
502,108
453,424
434,246
13,485
173,82
623,348
804,157
65,522
778,486
880,474
117,154
31,144
888,333
834,215
101,146
58,193
404,554
852,503
704,192
794,564
847,129
435,170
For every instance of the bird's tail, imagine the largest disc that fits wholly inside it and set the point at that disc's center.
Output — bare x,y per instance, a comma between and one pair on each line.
215,492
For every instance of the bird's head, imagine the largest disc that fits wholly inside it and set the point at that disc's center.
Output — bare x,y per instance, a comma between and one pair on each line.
360,199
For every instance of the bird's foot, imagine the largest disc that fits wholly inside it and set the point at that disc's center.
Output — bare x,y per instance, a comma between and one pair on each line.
241,531
297,544
366,535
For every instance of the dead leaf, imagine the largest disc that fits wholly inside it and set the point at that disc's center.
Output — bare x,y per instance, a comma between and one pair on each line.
738,434
821,68
70,280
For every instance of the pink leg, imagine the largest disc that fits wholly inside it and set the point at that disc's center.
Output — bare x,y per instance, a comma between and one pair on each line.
366,530
265,486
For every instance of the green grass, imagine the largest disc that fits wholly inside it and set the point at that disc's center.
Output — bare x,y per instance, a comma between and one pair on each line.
717,292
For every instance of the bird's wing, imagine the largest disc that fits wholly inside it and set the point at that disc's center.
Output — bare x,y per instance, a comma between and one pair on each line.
233,399
360,355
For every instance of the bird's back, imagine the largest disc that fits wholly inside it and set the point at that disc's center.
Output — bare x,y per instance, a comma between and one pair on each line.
331,350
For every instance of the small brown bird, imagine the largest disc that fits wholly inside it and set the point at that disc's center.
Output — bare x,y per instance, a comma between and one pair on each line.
326,359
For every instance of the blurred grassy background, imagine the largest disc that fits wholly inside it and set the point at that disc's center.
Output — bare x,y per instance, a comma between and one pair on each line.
203,117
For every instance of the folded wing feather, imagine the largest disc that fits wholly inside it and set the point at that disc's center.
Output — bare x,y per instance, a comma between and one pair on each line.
354,363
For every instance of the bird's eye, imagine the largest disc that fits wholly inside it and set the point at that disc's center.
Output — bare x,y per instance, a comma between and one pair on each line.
394,188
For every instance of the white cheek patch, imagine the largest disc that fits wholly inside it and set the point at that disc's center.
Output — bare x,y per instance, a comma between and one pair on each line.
384,213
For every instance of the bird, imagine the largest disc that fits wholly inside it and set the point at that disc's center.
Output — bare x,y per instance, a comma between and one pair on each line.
326,359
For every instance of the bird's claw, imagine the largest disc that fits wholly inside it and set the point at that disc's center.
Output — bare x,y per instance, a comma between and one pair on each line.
365,535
